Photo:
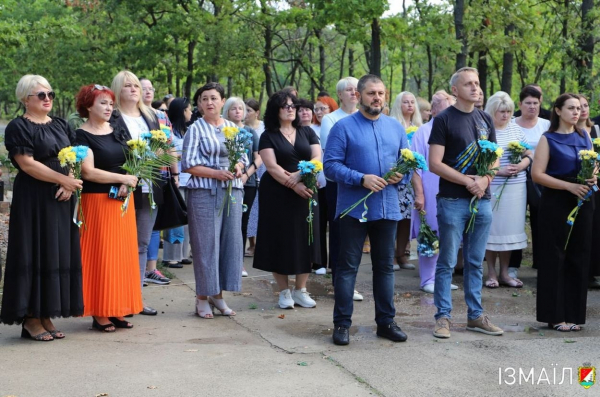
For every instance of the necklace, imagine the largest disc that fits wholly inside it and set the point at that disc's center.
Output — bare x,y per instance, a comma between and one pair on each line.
288,135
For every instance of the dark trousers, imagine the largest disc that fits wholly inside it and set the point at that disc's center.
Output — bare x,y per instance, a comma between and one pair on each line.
334,227
382,234
323,224
249,196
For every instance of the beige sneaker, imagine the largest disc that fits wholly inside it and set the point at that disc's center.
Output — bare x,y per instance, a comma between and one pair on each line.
484,325
442,328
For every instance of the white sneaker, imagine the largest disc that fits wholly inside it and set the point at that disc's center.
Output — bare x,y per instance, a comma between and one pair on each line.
301,298
429,288
453,287
513,272
285,299
321,271
407,266
244,273
357,297
396,267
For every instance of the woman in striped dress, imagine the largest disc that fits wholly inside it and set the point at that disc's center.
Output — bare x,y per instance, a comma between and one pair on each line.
507,232
215,234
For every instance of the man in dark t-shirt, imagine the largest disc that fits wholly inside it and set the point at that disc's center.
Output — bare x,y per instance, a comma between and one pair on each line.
453,151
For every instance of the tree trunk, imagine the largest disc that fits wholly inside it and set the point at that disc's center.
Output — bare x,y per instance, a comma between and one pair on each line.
177,76
229,86
586,61
482,69
311,91
190,68
267,52
342,58
429,73
507,63
563,77
351,62
459,27
322,60
375,47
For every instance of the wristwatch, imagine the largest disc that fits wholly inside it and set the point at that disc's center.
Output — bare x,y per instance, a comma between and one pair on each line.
362,181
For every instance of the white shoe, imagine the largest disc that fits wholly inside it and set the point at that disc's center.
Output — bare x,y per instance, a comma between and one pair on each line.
301,298
513,272
321,271
285,299
396,268
357,297
407,266
453,287
429,288
244,273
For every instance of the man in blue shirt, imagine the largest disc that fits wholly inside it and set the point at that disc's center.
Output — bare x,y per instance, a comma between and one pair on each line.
360,149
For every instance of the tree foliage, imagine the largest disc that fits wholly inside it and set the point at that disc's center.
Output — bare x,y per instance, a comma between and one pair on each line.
255,47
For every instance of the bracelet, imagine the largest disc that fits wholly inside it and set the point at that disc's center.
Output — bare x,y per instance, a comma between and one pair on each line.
489,178
530,159
175,174
362,181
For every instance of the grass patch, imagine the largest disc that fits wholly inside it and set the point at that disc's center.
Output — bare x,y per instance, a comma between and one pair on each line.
164,270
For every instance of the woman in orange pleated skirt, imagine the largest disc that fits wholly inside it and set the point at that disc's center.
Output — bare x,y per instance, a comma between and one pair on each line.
109,255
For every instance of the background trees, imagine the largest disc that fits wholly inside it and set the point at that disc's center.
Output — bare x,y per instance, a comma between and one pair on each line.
255,47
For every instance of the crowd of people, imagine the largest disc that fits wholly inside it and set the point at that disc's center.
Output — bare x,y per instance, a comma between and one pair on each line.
56,267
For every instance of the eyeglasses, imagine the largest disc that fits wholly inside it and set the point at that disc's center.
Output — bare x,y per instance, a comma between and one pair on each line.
42,95
148,89
289,107
99,87
321,109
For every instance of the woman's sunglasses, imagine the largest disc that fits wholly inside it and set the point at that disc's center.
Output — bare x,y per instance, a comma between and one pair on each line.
42,95
99,87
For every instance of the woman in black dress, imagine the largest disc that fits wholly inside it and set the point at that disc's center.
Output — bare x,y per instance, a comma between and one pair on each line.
563,276
43,264
282,245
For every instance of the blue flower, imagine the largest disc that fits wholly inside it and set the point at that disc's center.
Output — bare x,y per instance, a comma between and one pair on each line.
80,152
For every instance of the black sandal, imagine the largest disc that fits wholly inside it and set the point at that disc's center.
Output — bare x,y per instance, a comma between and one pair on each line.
103,327
55,334
120,323
39,337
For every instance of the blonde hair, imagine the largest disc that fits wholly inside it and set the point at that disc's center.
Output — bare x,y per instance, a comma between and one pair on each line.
345,82
437,99
28,83
457,74
229,103
498,102
117,85
396,111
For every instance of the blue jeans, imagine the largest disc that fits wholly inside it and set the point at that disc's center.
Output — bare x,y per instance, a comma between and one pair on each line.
383,236
453,217
153,246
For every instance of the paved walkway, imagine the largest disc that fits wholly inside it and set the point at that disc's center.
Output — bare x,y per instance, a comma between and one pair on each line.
258,353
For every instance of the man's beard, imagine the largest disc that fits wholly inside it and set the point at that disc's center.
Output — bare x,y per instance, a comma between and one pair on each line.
370,110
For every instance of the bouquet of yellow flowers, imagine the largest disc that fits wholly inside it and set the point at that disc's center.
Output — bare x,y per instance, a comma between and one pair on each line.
410,132
144,158
408,161
236,140
428,243
489,152
589,160
72,157
516,150
308,174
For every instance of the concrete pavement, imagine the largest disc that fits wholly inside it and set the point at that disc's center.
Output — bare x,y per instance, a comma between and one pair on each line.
257,353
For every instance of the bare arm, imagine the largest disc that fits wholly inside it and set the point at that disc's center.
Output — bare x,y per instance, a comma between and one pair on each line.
476,185
90,173
275,170
417,183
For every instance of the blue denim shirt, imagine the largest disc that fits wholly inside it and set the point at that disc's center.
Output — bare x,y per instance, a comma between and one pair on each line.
357,146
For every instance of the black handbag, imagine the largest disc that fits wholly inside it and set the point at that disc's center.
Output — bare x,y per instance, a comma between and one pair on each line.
173,211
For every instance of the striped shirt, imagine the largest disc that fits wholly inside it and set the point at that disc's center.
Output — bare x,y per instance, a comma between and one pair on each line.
512,133
204,145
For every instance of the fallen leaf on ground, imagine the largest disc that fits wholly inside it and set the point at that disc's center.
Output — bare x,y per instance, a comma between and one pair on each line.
281,316
152,387
302,363
570,341
97,395
190,350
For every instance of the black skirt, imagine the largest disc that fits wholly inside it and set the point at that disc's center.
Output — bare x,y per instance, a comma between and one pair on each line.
563,274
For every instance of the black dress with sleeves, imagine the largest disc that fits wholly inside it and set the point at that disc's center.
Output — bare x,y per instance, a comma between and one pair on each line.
282,239
43,264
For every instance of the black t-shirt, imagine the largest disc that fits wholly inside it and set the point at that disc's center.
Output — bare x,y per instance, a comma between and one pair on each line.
109,155
459,132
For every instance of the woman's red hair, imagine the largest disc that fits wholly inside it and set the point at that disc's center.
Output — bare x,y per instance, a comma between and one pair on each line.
87,96
329,101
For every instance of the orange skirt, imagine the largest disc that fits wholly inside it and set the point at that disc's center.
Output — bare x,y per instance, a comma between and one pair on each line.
109,258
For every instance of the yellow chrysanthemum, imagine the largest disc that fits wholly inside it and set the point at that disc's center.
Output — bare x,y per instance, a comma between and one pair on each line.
318,165
412,128
587,154
138,144
515,146
407,154
499,152
230,132
158,135
67,156
596,141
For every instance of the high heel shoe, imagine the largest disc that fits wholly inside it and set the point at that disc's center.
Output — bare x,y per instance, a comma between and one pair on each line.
39,337
221,306
204,309
103,327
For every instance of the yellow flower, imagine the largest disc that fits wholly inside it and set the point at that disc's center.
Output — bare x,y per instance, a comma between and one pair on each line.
158,135
318,165
412,128
407,154
596,141
67,156
499,152
138,144
230,132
